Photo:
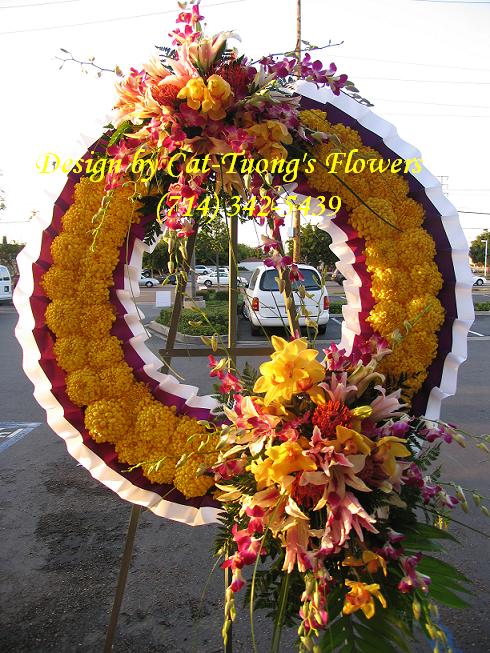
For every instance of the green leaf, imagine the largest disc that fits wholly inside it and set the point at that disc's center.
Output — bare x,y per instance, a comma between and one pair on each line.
374,640
432,532
433,566
120,131
447,597
335,635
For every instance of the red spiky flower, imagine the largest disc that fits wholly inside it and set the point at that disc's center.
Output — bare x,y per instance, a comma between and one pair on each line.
328,417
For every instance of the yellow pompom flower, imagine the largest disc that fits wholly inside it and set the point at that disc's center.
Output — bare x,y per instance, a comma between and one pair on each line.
187,436
104,352
426,275
116,381
156,423
68,250
58,282
163,471
107,420
386,316
83,387
71,352
63,317
186,478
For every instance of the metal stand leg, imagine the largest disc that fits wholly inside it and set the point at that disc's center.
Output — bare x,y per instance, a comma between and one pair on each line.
123,574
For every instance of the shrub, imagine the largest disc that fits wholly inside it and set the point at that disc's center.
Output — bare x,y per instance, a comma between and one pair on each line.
482,306
220,295
217,316
336,309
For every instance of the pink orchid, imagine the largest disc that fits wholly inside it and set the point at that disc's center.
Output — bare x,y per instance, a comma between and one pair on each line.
336,359
191,17
313,611
277,260
229,468
413,579
256,523
436,432
345,514
337,389
295,274
385,406
297,538
216,366
229,384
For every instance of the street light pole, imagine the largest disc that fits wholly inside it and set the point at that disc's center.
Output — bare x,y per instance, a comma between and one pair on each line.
296,212
486,252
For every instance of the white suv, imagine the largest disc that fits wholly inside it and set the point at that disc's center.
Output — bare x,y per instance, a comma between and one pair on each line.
264,305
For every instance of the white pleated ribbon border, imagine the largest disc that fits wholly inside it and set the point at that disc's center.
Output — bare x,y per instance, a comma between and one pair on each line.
451,224
350,327
54,410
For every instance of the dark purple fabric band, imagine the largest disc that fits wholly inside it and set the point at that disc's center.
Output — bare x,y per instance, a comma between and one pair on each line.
434,226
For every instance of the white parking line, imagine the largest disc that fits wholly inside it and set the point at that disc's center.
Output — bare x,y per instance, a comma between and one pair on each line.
482,335
334,319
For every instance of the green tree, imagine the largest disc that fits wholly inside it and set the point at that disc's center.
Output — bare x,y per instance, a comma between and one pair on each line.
8,254
246,251
477,247
212,243
2,196
315,247
158,259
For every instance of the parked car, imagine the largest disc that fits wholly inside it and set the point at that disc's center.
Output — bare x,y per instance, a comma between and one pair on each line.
169,279
211,279
149,282
5,284
202,269
264,305
338,277
478,281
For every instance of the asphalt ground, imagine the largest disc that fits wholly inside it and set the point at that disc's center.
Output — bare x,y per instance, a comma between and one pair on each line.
62,535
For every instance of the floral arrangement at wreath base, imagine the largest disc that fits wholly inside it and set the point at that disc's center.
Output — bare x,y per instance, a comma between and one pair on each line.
329,482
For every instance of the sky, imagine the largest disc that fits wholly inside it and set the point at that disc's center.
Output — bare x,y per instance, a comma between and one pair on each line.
425,64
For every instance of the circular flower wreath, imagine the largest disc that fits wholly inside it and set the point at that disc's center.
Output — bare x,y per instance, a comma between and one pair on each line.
398,239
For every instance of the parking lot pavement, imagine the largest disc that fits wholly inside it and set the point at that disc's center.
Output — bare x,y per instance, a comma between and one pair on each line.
480,327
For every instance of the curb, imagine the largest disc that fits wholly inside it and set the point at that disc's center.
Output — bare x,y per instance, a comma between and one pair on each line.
161,330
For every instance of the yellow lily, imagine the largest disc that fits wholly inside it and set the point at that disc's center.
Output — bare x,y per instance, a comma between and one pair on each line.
351,442
361,596
281,461
291,370
389,449
372,561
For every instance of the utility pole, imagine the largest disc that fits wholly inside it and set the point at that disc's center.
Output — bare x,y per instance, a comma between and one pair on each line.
297,212
486,253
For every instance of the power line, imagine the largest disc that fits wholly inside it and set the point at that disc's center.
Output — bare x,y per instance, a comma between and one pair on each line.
424,81
435,115
456,2
39,4
416,63
434,104
473,212
109,20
